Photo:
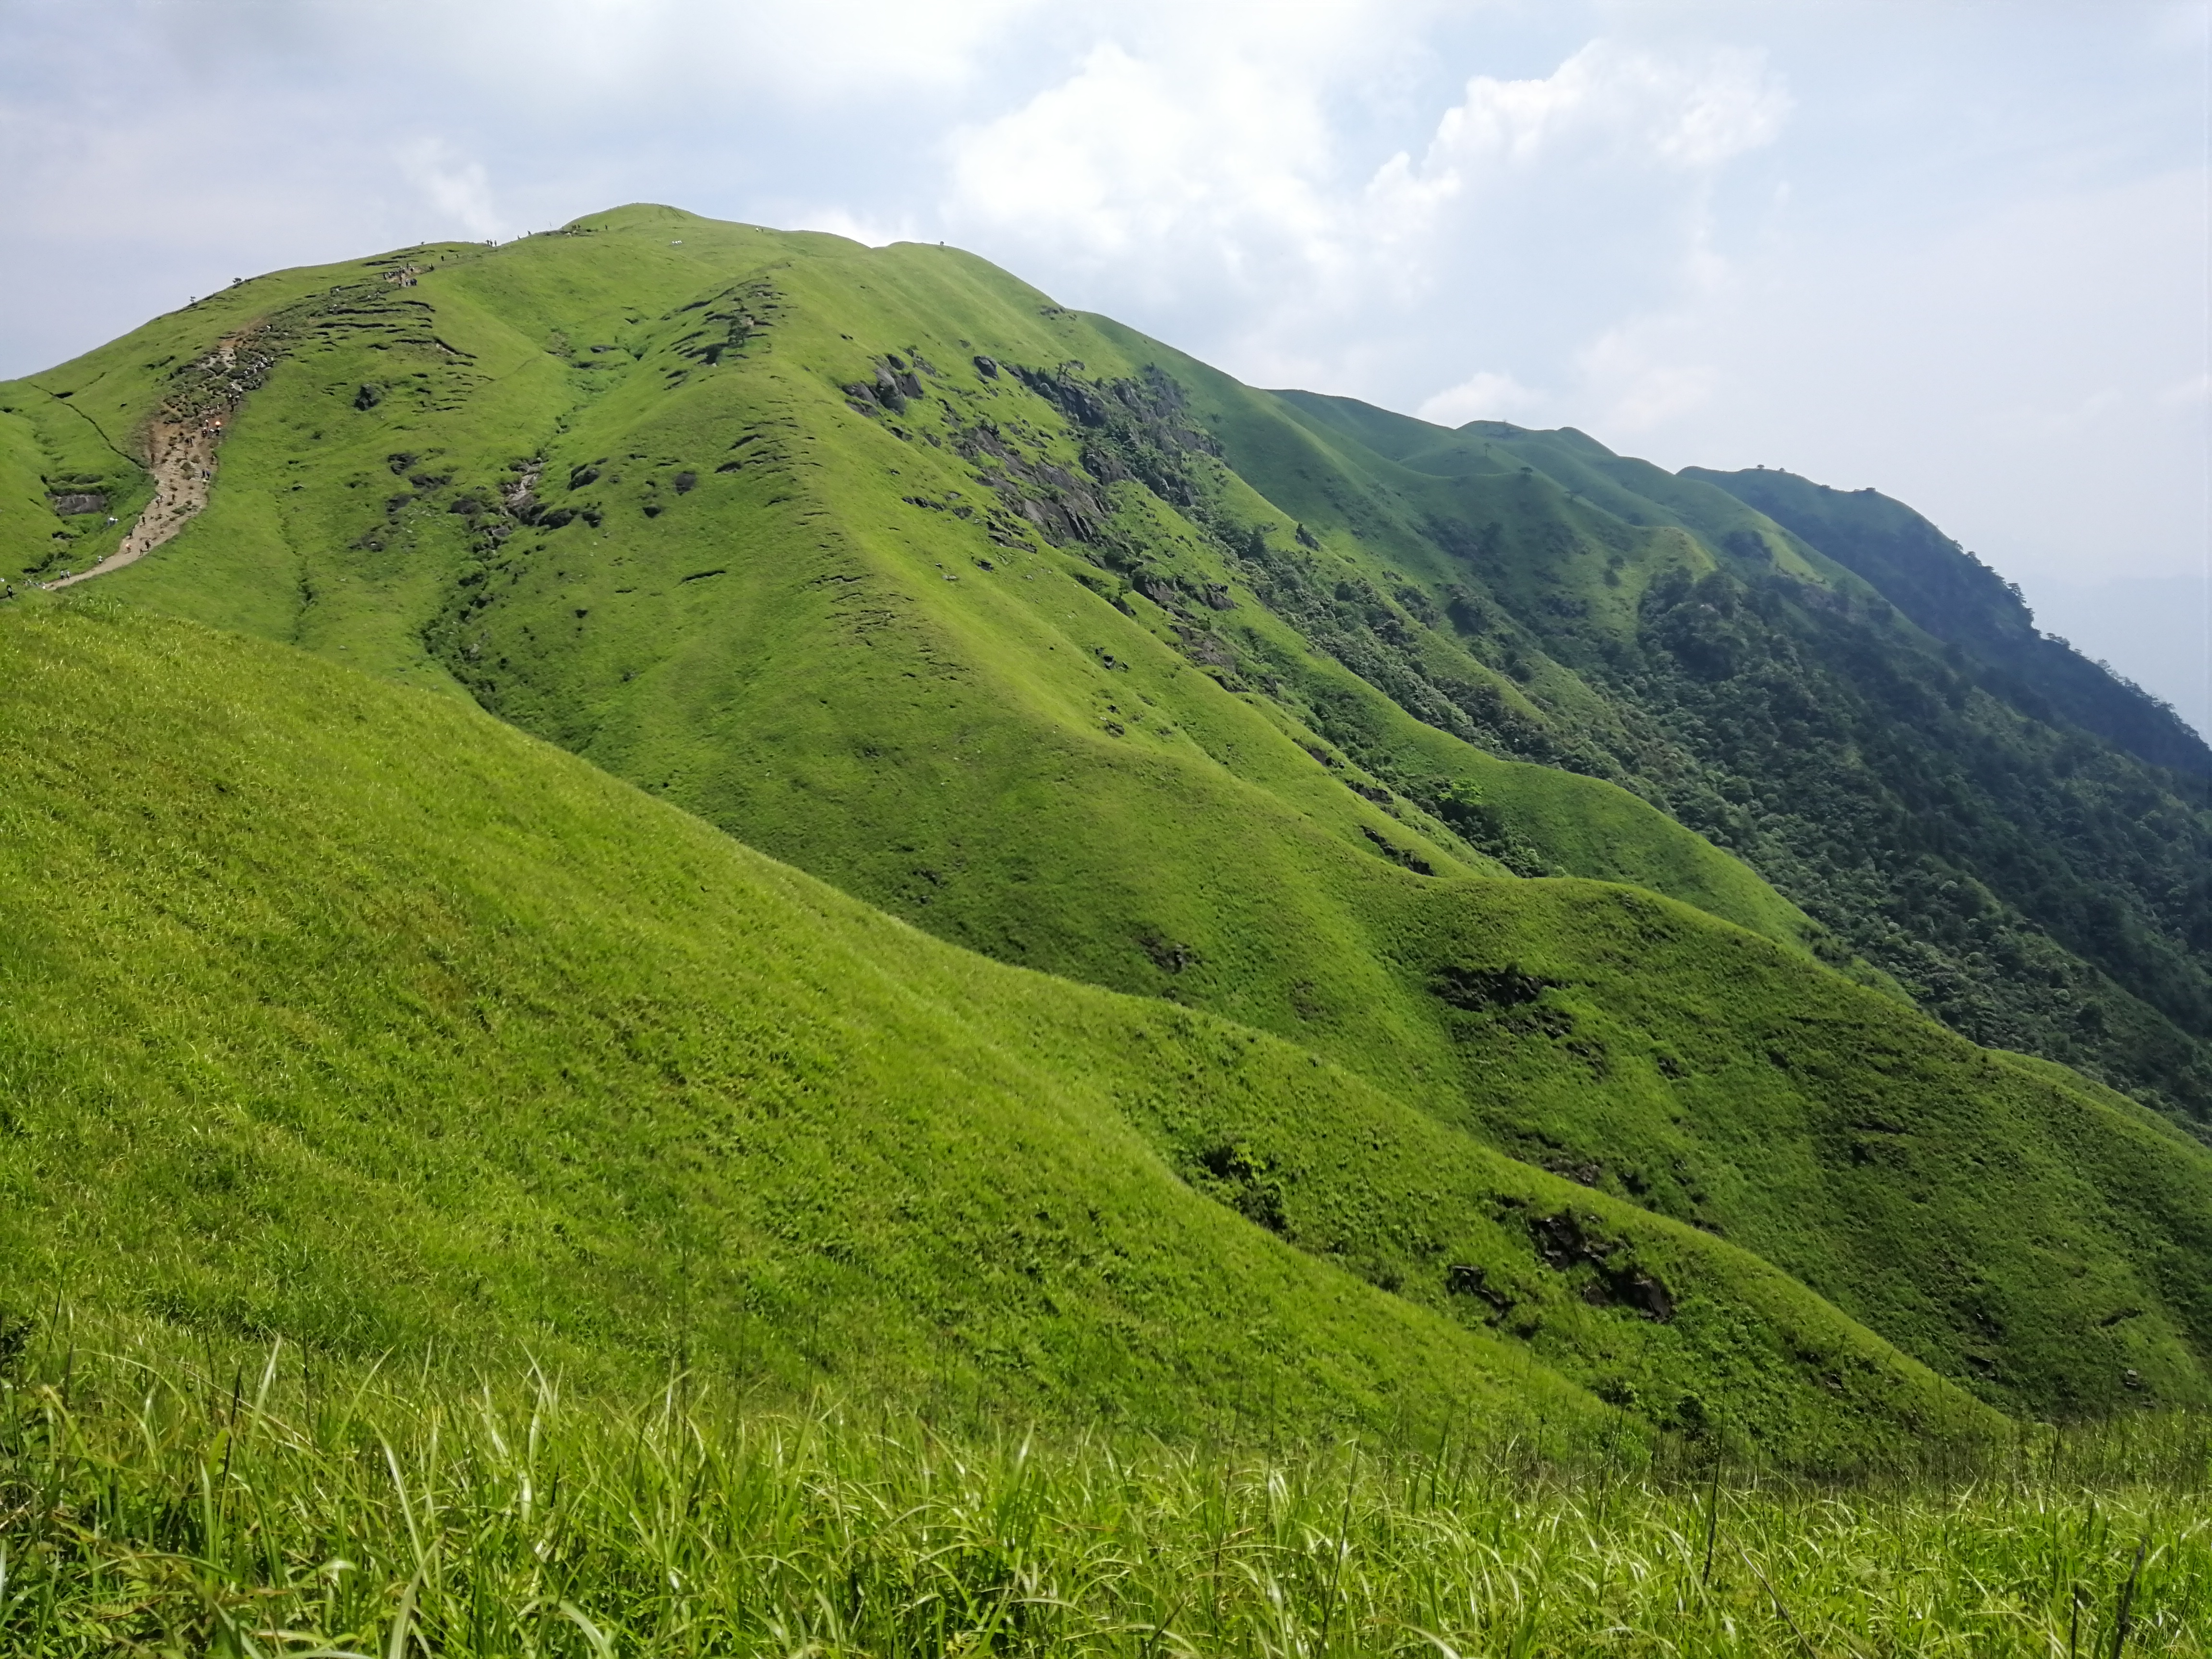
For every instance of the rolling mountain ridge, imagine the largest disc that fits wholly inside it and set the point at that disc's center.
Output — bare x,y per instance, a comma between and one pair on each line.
1645,850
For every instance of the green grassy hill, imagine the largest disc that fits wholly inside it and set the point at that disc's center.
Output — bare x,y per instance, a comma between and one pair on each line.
341,1013
1856,707
1392,743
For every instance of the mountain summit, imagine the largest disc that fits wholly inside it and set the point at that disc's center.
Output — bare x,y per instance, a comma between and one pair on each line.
1735,961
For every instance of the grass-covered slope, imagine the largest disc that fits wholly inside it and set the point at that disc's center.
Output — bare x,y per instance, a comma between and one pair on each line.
1839,694
1071,650
309,974
475,1521
341,1013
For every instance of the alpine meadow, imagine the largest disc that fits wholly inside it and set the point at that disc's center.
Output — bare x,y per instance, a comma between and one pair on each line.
718,942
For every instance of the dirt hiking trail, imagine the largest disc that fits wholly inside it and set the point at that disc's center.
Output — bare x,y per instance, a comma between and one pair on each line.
180,454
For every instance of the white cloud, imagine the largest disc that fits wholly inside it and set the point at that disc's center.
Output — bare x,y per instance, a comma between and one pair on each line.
1608,108
840,221
576,54
1637,390
458,190
1134,158
2196,389
1483,396
1620,106
1213,188
1596,180
838,48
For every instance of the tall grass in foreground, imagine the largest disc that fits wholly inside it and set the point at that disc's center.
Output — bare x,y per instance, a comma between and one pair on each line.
167,1508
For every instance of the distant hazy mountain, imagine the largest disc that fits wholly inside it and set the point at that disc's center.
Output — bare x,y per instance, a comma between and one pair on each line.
2155,630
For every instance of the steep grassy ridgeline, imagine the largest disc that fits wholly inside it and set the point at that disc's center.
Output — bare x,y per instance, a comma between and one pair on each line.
1959,600
1863,712
1073,651
319,524
340,1012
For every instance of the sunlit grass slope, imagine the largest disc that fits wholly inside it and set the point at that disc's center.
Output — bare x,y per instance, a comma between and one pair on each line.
342,1013
476,1522
1067,649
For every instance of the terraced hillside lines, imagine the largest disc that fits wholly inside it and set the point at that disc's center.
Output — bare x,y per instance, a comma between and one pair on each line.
342,1012
1069,650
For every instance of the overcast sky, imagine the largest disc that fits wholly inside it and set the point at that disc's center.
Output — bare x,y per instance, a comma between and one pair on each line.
1958,251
